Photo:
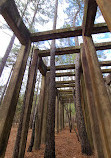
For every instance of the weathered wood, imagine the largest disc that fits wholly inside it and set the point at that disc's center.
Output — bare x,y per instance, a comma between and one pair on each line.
65,82
60,51
105,7
9,103
103,46
102,102
41,112
90,8
108,79
97,140
43,137
66,91
28,104
65,74
106,70
63,67
86,111
105,63
9,11
56,101
74,49
60,116
66,32
42,67
71,66
85,144
64,85
66,97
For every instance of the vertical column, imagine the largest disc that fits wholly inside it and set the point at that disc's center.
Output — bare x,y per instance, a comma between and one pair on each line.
28,104
56,113
44,125
86,111
60,116
40,115
63,115
9,103
101,99
85,145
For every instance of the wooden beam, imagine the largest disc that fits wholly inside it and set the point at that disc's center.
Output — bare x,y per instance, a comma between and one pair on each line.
105,63
64,94
103,46
65,82
74,49
9,103
66,91
60,51
64,85
90,8
28,104
63,67
105,7
106,70
9,11
42,67
101,98
72,66
91,107
66,32
65,74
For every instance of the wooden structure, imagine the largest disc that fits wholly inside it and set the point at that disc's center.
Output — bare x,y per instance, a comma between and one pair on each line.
95,98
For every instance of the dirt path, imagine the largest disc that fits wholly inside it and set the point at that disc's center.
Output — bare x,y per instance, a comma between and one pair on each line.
67,146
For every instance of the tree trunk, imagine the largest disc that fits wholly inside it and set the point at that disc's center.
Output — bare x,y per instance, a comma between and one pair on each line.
50,144
4,59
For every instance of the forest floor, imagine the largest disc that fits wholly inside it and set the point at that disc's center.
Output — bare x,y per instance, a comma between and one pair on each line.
67,146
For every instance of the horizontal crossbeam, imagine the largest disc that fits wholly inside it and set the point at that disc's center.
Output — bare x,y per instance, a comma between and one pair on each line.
66,32
64,85
74,49
106,70
65,82
65,74
63,67
66,91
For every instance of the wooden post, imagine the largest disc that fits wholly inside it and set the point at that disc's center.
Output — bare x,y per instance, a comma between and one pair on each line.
44,125
56,114
9,103
63,115
101,99
28,104
105,7
91,106
40,115
60,122
86,111
85,145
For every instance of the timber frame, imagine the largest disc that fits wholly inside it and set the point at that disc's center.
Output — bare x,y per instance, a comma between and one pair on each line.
94,93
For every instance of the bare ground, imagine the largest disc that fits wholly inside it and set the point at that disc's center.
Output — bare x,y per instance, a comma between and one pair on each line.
67,146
